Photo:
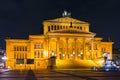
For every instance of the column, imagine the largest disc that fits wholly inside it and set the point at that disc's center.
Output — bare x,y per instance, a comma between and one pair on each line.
75,48
92,49
83,48
67,56
48,47
58,43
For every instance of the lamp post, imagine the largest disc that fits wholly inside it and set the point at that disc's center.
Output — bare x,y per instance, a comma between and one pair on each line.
4,58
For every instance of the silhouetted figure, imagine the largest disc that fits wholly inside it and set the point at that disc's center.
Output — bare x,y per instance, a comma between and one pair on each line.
30,75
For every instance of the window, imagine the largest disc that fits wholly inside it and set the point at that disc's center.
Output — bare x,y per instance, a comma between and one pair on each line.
25,48
95,47
15,48
38,45
35,54
103,50
55,27
20,48
38,54
52,27
30,61
19,61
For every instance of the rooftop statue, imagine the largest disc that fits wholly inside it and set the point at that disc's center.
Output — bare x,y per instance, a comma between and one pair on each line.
65,13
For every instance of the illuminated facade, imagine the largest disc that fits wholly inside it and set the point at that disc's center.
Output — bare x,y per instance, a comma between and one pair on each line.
66,38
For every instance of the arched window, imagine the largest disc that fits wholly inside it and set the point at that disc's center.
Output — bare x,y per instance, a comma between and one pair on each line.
52,27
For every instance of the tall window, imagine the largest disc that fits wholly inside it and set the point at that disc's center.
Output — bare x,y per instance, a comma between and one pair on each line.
25,48
38,45
52,27
15,48
38,54
95,47
20,51
103,50
34,54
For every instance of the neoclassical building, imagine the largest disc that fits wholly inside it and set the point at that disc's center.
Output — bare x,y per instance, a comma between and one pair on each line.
67,39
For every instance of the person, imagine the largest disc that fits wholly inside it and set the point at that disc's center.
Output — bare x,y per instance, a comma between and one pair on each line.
108,56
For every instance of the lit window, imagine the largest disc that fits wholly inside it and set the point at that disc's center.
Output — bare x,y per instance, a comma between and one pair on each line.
34,54
35,46
15,48
38,45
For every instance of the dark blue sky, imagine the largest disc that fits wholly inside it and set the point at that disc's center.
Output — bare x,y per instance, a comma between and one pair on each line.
19,18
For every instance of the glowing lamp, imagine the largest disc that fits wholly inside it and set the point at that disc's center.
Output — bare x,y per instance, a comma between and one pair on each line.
79,55
4,58
71,55
45,53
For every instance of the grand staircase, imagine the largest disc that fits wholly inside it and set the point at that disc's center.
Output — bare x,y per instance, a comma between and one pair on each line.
75,64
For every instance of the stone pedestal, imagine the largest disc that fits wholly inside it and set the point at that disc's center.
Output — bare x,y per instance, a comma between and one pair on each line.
52,62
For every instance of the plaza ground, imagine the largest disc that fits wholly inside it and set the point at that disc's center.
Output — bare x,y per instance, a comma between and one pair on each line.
59,75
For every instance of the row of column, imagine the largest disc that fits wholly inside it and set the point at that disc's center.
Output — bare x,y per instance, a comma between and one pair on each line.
75,48
54,27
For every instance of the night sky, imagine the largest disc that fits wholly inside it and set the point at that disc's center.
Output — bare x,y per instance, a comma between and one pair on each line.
19,18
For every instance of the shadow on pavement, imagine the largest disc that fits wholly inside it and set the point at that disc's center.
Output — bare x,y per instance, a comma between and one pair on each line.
30,75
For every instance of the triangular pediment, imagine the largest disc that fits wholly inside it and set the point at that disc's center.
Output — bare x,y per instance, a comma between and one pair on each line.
67,20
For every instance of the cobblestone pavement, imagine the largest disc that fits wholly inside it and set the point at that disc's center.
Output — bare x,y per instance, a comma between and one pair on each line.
59,75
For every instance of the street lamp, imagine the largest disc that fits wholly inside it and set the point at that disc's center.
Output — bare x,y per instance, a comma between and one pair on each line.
4,58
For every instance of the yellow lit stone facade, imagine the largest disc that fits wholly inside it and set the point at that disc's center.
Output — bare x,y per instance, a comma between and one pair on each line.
66,38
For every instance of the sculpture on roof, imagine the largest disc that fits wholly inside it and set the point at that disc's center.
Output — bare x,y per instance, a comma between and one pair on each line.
65,13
